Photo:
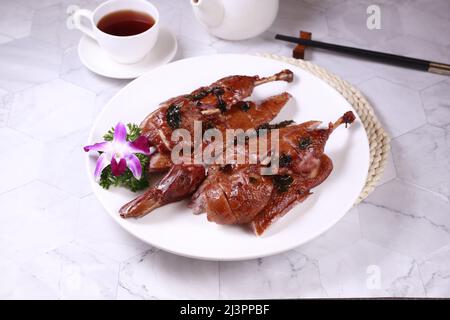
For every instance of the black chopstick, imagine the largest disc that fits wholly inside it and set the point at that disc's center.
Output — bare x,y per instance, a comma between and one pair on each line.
393,59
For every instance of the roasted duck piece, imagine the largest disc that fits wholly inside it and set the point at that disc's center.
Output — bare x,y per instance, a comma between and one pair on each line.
242,115
182,180
299,189
240,194
210,105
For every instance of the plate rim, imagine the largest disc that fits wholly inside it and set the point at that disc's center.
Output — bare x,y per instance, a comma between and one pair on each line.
116,218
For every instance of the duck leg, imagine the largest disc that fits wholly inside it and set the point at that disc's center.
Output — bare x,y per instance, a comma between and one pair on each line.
217,98
180,182
281,202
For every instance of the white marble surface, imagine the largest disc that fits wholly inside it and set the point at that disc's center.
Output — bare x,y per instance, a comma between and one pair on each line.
57,242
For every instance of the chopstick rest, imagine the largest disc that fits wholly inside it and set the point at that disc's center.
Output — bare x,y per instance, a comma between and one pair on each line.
383,57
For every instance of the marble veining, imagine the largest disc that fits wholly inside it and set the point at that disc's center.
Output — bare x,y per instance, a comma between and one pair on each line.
51,110
344,18
422,157
57,242
370,270
345,233
72,272
19,69
73,71
436,102
288,275
395,99
413,222
436,273
156,274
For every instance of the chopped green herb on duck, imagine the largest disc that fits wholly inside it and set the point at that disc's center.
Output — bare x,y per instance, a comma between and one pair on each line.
173,116
304,143
282,182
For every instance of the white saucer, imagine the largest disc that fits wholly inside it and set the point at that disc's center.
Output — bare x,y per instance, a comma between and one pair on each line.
98,61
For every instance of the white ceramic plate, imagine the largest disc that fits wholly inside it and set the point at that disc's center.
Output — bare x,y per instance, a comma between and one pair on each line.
173,227
98,61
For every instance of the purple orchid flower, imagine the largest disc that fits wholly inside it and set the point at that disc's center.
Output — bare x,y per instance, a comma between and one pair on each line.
120,153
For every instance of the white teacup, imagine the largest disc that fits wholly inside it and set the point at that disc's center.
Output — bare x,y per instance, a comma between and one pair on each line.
123,49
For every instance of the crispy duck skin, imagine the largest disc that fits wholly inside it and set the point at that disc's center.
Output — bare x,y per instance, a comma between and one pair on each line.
242,117
180,182
239,194
232,195
281,202
203,104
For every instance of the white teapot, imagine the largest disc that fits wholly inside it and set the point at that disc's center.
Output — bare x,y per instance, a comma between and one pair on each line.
235,19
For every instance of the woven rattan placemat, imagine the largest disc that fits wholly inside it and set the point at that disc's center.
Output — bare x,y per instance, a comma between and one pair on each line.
378,139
